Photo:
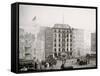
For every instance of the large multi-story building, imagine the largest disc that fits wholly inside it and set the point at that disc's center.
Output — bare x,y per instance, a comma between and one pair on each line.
28,54
93,43
39,44
21,44
25,44
48,42
77,42
63,39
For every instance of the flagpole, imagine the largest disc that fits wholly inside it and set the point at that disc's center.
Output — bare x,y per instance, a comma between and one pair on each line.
63,17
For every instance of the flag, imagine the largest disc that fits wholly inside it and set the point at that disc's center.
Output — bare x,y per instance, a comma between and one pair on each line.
34,18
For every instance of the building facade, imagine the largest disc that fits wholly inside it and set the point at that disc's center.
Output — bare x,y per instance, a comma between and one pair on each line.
48,42
21,44
93,43
25,44
77,42
62,40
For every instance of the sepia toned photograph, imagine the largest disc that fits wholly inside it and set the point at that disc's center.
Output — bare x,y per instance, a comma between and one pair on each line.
56,38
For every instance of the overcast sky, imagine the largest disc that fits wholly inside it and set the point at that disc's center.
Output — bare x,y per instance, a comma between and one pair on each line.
48,16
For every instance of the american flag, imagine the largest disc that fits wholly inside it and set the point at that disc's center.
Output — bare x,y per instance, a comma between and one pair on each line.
34,18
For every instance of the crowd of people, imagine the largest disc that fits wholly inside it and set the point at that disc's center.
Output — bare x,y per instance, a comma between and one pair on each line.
39,65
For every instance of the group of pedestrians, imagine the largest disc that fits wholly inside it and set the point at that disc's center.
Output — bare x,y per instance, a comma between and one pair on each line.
41,65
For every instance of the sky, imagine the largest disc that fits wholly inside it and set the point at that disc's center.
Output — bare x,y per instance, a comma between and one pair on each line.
48,16
80,18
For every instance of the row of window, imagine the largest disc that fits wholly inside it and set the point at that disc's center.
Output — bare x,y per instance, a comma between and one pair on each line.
63,45
63,40
63,35
56,55
63,31
55,50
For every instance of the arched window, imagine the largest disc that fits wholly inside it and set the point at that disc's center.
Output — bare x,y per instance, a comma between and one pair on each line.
63,49
59,40
55,45
55,54
59,30
54,30
55,49
59,35
59,45
59,49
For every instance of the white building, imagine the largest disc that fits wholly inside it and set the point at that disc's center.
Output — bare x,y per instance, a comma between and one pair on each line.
62,39
48,42
38,50
21,44
93,43
77,42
